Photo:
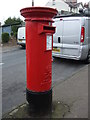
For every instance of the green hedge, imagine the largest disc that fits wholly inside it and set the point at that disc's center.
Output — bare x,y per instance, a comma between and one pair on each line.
5,37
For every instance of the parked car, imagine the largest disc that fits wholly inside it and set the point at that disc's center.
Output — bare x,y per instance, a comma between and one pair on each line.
21,40
72,37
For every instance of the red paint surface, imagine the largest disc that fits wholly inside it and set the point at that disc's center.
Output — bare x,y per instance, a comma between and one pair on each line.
38,59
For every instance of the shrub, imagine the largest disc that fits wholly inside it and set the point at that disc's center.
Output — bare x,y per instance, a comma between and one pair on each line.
11,33
5,37
15,35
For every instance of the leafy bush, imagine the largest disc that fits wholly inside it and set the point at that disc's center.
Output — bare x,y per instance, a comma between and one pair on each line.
5,37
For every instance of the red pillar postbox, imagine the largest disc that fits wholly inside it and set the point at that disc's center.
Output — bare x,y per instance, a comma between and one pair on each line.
39,42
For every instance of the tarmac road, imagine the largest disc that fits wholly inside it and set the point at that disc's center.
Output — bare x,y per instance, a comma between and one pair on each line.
14,77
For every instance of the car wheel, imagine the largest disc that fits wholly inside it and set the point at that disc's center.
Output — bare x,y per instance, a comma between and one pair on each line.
23,46
88,58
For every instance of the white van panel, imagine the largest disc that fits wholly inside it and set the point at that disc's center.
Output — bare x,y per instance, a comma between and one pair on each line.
88,30
59,26
69,31
21,37
58,34
21,33
71,37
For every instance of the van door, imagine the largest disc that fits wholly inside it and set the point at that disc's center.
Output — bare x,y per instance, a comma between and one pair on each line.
58,37
71,37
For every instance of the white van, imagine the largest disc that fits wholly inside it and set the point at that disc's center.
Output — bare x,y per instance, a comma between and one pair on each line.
21,40
72,37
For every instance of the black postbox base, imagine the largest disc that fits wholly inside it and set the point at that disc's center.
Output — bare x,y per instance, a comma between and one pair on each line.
39,99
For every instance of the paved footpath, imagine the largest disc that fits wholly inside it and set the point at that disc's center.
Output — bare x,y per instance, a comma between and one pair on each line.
10,48
74,93
70,100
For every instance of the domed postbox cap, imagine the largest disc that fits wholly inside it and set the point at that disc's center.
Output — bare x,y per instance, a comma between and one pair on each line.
38,12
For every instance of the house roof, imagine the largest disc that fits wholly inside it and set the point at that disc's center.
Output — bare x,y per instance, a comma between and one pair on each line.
58,4
74,5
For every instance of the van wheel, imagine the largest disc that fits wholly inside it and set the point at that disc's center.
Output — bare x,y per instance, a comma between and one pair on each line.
87,61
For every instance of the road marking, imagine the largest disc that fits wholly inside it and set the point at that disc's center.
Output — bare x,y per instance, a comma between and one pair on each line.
1,63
